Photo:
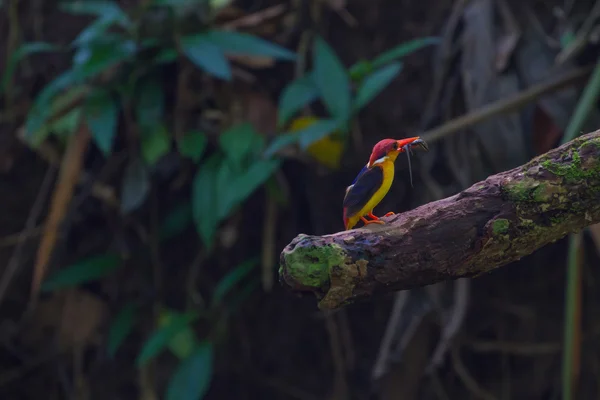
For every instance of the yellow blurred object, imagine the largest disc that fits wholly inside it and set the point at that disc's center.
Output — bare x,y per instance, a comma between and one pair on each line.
327,150
184,342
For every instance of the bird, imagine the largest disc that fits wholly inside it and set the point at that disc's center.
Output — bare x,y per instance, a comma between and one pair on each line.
373,182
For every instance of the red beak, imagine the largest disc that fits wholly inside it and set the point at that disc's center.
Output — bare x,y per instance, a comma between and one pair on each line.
412,142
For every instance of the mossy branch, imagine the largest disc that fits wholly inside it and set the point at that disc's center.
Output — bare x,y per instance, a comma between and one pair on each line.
490,224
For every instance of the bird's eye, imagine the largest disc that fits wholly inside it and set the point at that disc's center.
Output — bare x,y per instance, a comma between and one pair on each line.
395,146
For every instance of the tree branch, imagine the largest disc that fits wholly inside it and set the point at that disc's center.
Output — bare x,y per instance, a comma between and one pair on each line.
490,224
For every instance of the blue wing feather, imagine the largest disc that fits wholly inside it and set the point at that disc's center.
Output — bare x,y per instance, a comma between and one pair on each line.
366,183
362,171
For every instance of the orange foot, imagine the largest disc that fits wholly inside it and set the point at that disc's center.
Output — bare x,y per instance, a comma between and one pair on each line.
390,213
373,221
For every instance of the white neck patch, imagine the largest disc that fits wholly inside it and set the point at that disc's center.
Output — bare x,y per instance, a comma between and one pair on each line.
380,160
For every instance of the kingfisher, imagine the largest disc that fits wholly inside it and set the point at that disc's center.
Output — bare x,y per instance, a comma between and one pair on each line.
375,179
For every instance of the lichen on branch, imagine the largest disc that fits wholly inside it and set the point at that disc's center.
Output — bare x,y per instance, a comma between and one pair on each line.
491,224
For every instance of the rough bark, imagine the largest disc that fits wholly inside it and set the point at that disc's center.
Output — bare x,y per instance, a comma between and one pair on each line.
491,224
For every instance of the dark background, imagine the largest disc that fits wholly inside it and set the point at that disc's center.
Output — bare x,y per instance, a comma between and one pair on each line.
272,345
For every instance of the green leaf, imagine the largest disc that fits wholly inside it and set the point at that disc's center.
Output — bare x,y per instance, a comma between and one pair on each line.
359,70
99,56
296,95
237,142
96,31
225,190
101,111
231,279
374,83
403,50
166,56
192,145
183,343
332,80
109,10
121,328
22,52
161,337
218,189
192,378
586,105
176,220
42,107
135,185
246,183
155,143
283,140
246,44
315,131
63,126
204,199
86,270
150,103
206,55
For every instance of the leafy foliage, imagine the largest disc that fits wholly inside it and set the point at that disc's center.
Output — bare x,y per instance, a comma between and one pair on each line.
101,112
22,52
115,86
330,82
192,379
373,84
192,145
121,327
296,95
163,335
228,177
87,270
233,277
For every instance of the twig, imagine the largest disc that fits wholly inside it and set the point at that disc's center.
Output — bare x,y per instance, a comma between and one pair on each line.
256,18
467,378
443,65
34,214
578,44
381,364
491,224
68,177
15,238
505,106
451,327
340,389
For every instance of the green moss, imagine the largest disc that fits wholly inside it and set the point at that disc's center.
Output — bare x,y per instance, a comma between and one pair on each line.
309,266
577,170
500,226
526,189
574,171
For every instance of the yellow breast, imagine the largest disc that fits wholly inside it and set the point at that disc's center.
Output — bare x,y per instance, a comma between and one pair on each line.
388,178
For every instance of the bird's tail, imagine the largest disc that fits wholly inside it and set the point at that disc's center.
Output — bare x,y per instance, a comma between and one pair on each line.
346,220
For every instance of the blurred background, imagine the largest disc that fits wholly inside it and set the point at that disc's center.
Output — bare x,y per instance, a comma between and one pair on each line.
157,155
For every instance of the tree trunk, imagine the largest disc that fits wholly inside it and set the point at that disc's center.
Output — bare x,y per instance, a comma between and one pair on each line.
490,224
